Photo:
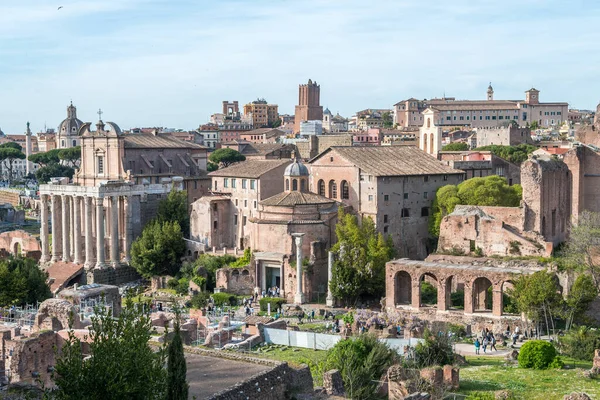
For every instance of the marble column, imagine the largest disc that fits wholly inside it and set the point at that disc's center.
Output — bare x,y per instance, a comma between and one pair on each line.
73,227
77,256
114,231
329,301
100,257
89,239
56,233
65,229
299,297
44,228
128,229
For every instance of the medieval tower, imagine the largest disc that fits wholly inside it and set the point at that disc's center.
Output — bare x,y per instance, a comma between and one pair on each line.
308,108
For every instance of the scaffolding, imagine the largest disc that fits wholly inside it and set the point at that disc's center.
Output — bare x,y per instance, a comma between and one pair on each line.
19,316
87,307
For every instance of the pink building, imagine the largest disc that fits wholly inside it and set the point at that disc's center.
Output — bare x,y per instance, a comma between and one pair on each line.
371,137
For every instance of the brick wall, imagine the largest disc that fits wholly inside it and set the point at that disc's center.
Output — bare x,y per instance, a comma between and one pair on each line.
9,196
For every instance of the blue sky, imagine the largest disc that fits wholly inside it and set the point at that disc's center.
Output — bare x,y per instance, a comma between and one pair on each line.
172,62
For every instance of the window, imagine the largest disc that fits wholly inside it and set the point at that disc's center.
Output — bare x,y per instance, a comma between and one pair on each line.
295,184
235,217
254,203
385,229
332,190
226,182
252,184
370,197
330,159
424,212
216,184
445,177
321,187
386,197
287,184
244,220
345,190
214,206
195,184
404,213
385,219
425,195
236,202
245,203
244,183
215,225
426,178
233,183
100,165
405,196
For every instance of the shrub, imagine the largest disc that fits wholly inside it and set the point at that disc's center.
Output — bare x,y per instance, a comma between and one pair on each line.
199,280
275,302
200,300
557,363
361,362
221,299
457,330
428,293
580,343
457,299
435,349
348,318
172,283
537,354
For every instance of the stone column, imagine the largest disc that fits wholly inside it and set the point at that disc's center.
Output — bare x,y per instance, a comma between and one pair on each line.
114,231
257,275
56,233
497,305
77,230
128,229
89,239
415,293
468,298
44,228
73,227
442,297
100,258
329,302
66,256
299,297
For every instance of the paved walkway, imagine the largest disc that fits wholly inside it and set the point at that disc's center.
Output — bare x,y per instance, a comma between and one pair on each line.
466,349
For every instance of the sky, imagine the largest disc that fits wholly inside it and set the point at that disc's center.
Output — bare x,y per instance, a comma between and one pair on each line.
171,63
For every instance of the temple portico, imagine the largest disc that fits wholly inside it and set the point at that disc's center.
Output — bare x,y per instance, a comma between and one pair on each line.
94,225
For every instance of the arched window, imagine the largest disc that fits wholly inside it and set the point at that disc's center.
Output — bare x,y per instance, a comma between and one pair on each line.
332,190
431,143
295,184
302,185
429,122
287,184
424,142
321,187
345,190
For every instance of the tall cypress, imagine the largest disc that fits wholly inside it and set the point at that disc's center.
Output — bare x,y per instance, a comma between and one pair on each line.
177,386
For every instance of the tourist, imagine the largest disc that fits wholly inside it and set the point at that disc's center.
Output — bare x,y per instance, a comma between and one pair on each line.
515,336
485,343
493,344
477,345
312,315
278,292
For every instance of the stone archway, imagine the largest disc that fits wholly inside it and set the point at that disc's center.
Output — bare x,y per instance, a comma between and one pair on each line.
403,292
54,315
482,298
505,299
428,289
17,248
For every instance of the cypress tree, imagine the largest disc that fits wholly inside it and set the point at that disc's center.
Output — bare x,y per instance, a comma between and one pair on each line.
177,386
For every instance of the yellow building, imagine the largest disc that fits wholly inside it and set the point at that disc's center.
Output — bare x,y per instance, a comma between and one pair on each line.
263,114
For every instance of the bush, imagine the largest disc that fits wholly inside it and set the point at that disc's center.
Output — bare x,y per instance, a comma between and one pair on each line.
557,363
580,343
457,299
361,362
457,330
172,283
221,299
435,349
274,301
200,300
428,293
537,354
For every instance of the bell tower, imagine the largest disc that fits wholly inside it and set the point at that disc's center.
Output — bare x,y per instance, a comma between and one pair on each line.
490,92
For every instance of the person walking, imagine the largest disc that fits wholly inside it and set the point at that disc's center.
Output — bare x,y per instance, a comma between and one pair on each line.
493,344
312,315
485,344
477,345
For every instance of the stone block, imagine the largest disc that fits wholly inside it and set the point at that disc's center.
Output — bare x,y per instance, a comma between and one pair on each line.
451,377
577,396
332,383
596,359
434,376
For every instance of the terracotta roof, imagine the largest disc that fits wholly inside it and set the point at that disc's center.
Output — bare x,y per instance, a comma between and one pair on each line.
392,160
296,198
258,149
255,319
250,168
159,141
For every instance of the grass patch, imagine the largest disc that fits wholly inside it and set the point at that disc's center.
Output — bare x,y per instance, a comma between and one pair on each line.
294,356
486,374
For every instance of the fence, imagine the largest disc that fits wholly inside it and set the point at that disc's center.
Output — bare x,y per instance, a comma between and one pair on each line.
322,341
21,316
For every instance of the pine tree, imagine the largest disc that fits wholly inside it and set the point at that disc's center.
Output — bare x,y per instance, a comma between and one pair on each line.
177,386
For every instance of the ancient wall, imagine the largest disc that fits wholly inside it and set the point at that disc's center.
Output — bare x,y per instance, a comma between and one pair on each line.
112,276
9,196
238,281
546,197
26,243
29,358
584,165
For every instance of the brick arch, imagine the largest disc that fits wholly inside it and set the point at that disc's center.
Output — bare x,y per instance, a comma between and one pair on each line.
54,314
404,284
422,277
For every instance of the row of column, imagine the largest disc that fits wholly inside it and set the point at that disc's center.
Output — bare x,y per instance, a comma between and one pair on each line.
68,242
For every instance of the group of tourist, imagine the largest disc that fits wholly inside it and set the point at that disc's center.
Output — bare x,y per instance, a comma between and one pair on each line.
487,339
270,292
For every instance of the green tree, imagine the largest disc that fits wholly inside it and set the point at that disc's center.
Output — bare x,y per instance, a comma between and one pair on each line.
538,296
582,293
123,365
177,386
207,265
275,124
45,158
8,155
581,249
159,249
53,170
174,208
434,350
211,166
388,120
361,256
456,147
70,156
489,191
22,282
514,154
534,125
225,157
580,343
361,362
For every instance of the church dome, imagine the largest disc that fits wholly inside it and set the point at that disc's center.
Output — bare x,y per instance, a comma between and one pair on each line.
296,169
70,126
327,111
1,133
